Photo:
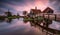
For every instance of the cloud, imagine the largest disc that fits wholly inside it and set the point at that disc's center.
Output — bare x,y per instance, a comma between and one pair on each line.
21,5
55,4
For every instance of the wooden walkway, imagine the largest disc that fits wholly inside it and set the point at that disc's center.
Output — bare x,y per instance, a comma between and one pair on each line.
50,16
54,17
48,30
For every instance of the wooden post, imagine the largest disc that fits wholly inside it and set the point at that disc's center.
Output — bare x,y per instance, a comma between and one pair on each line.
48,16
47,21
43,23
47,33
43,15
55,17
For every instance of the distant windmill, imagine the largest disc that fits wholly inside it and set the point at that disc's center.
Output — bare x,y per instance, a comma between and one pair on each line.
8,13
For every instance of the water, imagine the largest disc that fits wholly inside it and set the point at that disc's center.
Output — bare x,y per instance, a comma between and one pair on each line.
19,27
55,25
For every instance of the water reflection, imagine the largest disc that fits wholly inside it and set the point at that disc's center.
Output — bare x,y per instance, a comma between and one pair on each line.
55,25
22,27
6,19
46,25
17,27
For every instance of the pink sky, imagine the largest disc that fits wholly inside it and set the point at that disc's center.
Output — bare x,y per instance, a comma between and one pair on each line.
40,4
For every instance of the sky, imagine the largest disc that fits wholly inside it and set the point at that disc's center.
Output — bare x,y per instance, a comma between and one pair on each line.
55,4
18,6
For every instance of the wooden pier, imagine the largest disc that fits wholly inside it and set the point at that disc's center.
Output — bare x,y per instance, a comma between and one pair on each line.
48,18
49,31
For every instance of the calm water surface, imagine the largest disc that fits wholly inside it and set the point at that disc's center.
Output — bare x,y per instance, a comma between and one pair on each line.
19,27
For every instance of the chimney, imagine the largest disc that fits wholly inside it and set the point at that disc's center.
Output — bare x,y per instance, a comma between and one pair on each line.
36,8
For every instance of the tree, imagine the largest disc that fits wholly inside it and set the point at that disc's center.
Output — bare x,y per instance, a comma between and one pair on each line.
24,13
18,14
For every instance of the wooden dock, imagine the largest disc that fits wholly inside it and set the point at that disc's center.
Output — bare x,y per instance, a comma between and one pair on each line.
48,30
55,17
51,17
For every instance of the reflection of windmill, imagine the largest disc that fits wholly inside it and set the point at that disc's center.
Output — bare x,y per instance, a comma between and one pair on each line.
8,20
8,13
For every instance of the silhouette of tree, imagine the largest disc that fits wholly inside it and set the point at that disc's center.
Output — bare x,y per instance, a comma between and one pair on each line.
24,13
18,14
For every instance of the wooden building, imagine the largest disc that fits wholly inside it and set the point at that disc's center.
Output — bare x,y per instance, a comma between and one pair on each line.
48,10
35,11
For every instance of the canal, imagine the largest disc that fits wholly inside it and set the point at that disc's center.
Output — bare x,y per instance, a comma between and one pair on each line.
20,27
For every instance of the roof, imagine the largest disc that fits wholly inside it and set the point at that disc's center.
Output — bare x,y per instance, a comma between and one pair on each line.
36,10
47,10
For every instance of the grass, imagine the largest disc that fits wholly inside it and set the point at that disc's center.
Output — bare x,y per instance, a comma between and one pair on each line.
37,18
11,17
